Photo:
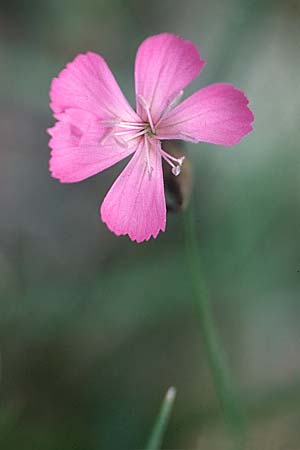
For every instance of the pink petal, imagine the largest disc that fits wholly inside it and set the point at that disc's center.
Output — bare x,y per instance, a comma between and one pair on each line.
77,152
165,64
87,83
135,204
217,114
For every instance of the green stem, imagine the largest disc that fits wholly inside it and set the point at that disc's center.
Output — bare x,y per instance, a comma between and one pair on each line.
162,421
216,356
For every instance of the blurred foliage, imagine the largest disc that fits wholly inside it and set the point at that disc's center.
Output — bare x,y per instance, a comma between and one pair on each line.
94,328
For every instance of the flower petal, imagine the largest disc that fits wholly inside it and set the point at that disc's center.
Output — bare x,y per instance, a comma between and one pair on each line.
217,114
77,152
165,64
87,83
135,204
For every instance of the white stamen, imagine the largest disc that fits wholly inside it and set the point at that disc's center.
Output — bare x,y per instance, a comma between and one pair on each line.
109,123
171,104
122,133
176,168
146,107
174,101
149,167
122,124
137,126
131,131
178,160
122,138
141,133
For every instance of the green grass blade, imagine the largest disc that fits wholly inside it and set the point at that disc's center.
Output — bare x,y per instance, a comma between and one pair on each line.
162,421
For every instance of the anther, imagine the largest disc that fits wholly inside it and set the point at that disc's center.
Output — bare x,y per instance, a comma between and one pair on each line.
176,170
175,163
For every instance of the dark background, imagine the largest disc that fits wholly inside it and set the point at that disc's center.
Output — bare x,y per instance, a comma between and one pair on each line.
95,328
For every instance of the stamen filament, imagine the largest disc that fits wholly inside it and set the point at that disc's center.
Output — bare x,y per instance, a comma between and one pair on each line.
150,169
141,133
150,121
146,107
123,124
172,103
131,125
168,160
176,168
178,160
121,133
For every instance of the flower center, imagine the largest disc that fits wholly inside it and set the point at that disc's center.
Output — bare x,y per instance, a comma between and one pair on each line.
124,132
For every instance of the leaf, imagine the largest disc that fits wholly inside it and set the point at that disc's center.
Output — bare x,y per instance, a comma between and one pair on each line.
162,421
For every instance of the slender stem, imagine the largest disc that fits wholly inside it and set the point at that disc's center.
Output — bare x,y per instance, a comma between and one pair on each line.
216,356
162,421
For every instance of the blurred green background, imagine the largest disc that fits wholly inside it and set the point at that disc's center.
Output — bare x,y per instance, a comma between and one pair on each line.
94,328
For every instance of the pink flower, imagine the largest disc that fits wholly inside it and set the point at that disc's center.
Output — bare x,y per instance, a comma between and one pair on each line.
96,127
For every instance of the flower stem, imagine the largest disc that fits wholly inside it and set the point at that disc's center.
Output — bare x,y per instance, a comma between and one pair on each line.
216,356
